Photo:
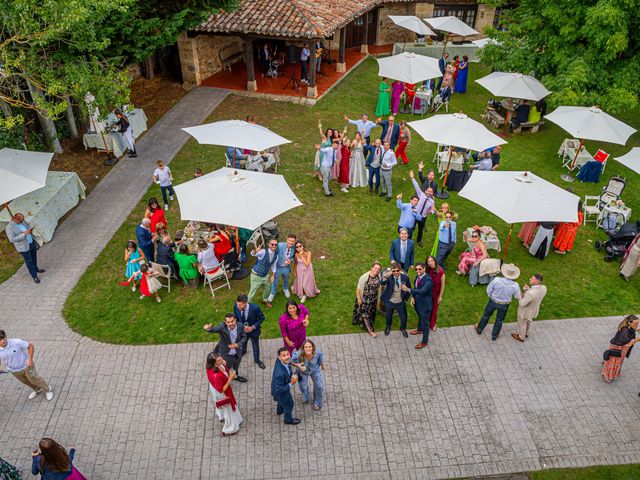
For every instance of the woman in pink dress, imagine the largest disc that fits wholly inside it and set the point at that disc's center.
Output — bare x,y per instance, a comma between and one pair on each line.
397,88
527,232
293,325
476,255
345,156
304,284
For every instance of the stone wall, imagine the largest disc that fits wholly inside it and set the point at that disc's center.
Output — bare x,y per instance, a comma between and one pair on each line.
424,10
389,32
200,56
188,52
485,17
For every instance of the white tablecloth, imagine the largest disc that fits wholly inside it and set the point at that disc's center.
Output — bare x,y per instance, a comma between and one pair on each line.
492,242
457,161
43,208
620,211
116,142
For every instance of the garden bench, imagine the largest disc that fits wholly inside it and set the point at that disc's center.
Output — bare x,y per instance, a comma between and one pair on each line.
230,55
534,126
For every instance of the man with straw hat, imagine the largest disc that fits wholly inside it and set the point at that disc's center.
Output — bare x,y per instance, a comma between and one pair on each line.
501,291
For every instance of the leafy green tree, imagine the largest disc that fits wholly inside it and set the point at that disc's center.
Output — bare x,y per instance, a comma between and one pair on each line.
586,52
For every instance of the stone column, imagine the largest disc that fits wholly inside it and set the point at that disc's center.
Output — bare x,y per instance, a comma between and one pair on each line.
252,86
341,66
365,41
189,61
312,88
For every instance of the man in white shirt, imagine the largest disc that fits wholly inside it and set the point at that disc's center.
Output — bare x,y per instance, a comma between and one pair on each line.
328,159
162,175
387,162
17,356
364,126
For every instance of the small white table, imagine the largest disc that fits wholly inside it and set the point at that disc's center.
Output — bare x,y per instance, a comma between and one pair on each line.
115,141
457,161
620,211
492,242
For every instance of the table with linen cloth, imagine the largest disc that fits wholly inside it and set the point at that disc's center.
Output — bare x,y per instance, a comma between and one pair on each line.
488,236
43,208
457,161
116,142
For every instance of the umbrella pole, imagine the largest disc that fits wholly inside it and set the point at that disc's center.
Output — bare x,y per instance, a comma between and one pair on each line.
504,253
565,176
6,205
238,242
507,119
442,193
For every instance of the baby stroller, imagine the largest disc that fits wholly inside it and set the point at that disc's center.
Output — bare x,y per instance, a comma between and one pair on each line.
619,240
612,191
273,69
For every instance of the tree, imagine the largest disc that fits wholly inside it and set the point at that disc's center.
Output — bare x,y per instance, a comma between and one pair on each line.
53,50
586,52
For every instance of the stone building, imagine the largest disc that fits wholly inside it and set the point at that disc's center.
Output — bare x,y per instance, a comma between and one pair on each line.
230,37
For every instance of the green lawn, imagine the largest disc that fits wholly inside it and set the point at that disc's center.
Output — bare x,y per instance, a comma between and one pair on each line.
351,230
608,472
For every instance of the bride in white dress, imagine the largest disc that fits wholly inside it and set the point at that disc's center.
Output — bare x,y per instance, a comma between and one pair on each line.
220,378
357,169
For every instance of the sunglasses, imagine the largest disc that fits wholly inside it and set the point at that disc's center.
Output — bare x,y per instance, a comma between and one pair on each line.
474,236
395,271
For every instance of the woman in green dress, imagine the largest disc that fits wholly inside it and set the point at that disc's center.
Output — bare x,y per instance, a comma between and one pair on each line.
188,266
382,108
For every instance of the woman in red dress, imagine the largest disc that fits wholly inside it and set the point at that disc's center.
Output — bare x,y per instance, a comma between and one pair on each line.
619,348
221,242
456,60
566,234
403,143
436,273
343,174
155,213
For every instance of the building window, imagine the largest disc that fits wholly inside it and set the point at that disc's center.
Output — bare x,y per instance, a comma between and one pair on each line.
466,13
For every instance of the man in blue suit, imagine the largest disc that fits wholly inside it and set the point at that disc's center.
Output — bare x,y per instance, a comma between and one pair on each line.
442,64
390,131
250,315
421,301
374,155
145,239
402,250
395,296
281,383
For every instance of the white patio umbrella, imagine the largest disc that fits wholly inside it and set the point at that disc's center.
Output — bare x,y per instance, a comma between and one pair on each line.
589,123
21,172
408,67
241,198
236,133
449,25
631,159
413,23
455,130
514,85
518,197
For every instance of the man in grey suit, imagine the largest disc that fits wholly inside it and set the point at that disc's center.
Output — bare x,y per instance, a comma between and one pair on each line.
19,232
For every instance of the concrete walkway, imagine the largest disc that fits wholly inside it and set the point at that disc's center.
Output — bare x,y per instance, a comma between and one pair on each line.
466,407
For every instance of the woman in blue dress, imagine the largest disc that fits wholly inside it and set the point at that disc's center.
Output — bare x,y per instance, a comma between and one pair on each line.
309,362
463,73
134,258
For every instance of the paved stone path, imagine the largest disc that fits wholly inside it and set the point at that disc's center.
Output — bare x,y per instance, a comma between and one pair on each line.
466,407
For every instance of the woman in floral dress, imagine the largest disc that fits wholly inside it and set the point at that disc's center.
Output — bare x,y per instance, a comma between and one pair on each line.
364,310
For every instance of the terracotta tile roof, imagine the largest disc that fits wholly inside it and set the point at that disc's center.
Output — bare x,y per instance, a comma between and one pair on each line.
290,18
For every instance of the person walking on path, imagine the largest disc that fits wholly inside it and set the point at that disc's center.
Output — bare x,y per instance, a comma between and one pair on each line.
282,380
232,341
263,271
421,299
17,355
529,306
619,348
220,378
310,364
163,176
20,233
500,291
251,316
52,461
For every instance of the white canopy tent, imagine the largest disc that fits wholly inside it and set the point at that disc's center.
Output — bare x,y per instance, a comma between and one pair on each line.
518,197
455,130
235,197
589,123
22,172
408,67
631,159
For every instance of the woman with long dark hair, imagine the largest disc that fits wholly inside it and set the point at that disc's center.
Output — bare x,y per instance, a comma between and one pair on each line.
52,461
620,348
155,213
293,325
220,378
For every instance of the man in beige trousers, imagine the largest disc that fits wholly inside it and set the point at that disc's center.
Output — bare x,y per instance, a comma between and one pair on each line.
17,356
529,306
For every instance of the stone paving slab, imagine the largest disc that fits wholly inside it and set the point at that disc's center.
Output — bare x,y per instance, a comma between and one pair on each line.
465,407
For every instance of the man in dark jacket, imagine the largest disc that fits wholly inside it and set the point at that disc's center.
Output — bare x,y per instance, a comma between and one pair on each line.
421,301
281,382
251,316
395,297
232,341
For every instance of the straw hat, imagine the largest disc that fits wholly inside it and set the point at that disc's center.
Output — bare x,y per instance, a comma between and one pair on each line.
510,271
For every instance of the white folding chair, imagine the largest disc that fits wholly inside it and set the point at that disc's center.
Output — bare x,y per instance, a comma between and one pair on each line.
227,161
219,273
590,210
158,270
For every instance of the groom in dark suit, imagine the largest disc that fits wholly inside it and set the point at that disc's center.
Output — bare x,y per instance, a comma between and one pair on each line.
421,301
402,250
281,383
232,342
250,315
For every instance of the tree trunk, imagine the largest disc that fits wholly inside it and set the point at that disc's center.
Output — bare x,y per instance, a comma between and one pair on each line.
162,60
148,67
71,119
48,127
6,109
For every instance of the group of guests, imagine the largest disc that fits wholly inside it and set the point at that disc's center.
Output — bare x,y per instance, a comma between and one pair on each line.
299,361
453,78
